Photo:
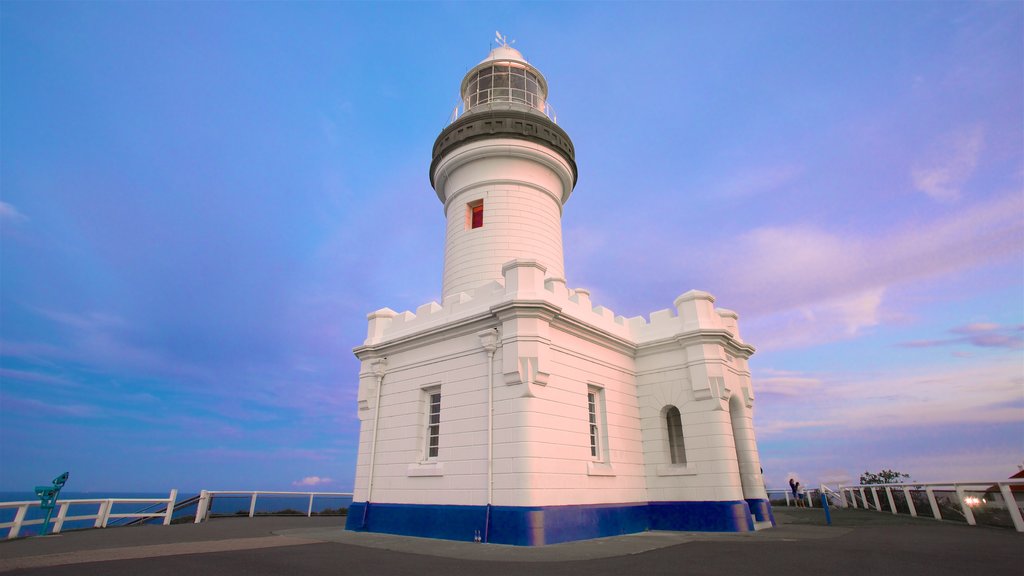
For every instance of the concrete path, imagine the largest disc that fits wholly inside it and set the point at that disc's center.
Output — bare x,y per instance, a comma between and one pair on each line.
857,543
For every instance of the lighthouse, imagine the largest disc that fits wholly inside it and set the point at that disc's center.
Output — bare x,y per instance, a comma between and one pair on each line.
516,411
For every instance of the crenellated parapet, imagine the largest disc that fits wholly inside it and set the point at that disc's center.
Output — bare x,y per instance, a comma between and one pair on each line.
693,317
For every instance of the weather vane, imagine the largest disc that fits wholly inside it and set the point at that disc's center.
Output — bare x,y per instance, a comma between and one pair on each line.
502,40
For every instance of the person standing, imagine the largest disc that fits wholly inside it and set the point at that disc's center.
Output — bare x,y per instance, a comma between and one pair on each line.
792,487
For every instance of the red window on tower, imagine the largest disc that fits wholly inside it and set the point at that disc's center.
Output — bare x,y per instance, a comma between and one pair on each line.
476,214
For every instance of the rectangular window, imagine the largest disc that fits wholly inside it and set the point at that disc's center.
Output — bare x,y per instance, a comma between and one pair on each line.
595,410
475,214
433,423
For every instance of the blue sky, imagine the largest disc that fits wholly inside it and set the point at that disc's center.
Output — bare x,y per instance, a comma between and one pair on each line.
195,198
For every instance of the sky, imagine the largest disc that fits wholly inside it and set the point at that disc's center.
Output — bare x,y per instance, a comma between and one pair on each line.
201,201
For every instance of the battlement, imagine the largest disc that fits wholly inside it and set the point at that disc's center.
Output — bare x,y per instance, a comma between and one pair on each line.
525,280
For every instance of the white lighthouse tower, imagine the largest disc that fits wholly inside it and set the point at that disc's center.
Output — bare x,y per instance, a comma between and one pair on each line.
515,411
503,171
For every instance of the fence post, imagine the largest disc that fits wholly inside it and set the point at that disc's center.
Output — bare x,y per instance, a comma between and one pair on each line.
968,513
1011,506
787,499
874,496
892,503
171,501
910,501
864,499
252,504
19,517
201,507
106,512
935,505
61,514
101,515
309,512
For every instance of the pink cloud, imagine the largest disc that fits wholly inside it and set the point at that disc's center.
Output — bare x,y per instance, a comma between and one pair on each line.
938,396
982,335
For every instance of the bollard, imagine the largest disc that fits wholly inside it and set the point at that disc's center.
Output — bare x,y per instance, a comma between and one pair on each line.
824,504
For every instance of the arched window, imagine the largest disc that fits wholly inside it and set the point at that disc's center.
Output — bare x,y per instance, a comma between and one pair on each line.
676,449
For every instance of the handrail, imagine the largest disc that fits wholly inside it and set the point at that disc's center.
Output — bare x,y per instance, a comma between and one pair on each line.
787,494
159,508
179,506
204,508
102,516
837,496
966,502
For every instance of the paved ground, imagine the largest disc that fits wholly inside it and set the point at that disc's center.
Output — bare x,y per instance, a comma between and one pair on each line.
859,542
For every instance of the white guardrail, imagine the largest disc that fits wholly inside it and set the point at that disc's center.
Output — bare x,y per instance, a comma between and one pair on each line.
809,497
164,508
993,495
102,516
206,498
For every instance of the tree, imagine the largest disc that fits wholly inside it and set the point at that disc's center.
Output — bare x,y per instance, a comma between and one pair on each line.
884,477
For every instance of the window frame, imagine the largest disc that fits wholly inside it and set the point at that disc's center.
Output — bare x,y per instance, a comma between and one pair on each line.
431,429
472,209
597,424
676,443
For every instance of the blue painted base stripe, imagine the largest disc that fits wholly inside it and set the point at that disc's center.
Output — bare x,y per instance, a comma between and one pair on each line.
761,509
540,525
731,516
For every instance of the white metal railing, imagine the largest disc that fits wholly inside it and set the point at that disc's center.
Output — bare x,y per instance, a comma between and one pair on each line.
206,498
102,516
838,497
967,503
790,499
541,106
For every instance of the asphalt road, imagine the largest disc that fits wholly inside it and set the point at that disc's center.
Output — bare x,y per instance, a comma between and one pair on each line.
858,543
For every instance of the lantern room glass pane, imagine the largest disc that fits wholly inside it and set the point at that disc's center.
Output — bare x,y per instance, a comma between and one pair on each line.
504,83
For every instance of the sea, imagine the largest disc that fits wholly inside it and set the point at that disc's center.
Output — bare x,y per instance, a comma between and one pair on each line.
222,506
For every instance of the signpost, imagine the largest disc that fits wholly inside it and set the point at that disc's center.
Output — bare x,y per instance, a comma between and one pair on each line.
48,498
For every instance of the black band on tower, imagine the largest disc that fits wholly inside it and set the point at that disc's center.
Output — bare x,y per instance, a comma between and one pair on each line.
504,124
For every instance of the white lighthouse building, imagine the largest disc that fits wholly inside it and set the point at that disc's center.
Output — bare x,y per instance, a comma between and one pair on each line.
515,410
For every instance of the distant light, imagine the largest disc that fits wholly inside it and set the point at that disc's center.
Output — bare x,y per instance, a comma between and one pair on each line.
973,501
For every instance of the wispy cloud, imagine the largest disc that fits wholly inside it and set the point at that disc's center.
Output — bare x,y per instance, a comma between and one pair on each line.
945,168
758,180
789,384
788,267
58,409
978,463
10,213
36,377
313,481
981,334
800,285
940,396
